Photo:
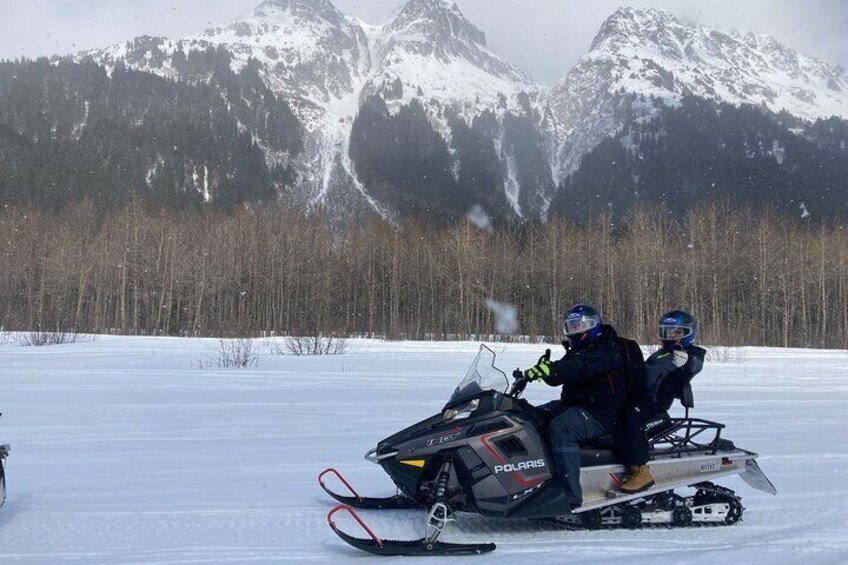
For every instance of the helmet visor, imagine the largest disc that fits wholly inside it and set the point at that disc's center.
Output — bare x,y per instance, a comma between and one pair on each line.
578,325
669,333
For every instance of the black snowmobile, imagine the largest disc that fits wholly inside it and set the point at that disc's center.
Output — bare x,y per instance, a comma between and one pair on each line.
485,454
4,452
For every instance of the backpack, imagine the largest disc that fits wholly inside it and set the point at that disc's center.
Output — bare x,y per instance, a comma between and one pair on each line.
635,374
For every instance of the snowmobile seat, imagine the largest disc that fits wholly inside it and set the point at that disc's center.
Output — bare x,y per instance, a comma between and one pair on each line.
599,443
594,457
687,398
657,425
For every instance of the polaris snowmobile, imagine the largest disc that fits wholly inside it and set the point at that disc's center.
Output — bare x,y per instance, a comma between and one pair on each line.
484,453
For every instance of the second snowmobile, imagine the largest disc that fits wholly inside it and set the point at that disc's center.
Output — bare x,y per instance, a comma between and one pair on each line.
484,453
4,452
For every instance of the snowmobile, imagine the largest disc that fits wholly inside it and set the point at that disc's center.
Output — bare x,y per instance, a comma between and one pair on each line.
4,452
484,453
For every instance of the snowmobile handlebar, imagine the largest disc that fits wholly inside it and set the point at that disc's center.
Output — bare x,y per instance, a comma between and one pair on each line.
521,379
519,385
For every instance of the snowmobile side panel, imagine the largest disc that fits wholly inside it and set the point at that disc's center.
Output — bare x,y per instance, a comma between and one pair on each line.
755,477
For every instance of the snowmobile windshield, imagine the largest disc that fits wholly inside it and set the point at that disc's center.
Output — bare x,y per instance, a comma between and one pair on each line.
480,377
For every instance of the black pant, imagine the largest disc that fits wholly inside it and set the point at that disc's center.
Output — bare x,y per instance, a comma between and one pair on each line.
631,445
568,427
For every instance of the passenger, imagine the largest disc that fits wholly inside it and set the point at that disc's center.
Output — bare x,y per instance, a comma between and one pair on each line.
594,392
668,370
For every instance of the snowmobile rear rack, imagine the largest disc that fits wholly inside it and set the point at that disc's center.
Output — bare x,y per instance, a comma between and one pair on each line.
670,442
397,502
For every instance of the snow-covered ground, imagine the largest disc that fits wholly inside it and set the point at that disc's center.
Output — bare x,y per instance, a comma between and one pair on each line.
124,451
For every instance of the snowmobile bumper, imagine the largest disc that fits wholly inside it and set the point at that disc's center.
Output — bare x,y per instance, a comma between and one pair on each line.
755,477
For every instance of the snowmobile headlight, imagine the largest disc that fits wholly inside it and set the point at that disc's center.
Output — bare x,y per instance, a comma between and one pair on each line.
461,411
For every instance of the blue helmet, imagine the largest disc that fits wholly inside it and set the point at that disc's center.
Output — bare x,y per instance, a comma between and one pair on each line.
678,328
581,325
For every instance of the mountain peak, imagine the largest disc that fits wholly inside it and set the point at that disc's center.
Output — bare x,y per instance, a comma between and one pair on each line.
438,21
630,24
296,5
307,9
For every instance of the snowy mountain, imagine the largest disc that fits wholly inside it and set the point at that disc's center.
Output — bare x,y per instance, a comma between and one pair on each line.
431,53
642,60
308,50
418,115
431,47
325,64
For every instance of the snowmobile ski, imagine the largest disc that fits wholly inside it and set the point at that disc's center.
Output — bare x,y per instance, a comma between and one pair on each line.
408,548
396,502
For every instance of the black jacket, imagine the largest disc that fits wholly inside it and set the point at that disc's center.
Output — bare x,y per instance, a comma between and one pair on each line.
665,380
593,378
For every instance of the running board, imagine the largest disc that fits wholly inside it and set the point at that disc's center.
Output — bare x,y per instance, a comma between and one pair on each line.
600,487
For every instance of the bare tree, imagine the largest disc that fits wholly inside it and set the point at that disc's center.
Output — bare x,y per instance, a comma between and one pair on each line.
314,345
237,353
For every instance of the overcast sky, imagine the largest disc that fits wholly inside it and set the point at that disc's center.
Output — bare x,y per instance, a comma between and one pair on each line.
543,37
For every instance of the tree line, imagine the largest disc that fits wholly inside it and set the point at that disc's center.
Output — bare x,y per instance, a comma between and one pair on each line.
752,277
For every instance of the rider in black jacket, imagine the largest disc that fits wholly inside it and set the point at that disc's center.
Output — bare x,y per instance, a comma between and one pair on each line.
592,376
668,370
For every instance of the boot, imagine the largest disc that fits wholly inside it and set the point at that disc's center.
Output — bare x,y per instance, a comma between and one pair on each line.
640,479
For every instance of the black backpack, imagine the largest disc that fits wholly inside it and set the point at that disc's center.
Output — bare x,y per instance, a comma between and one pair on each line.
634,368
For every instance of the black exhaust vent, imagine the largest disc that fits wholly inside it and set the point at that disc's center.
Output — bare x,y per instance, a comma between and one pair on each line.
511,446
488,427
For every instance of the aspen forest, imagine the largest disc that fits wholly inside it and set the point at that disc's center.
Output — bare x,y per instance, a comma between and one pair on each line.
752,277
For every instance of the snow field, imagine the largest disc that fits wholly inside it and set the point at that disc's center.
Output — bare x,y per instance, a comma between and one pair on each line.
125,451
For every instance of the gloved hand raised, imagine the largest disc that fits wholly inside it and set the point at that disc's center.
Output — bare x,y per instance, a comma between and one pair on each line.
542,369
